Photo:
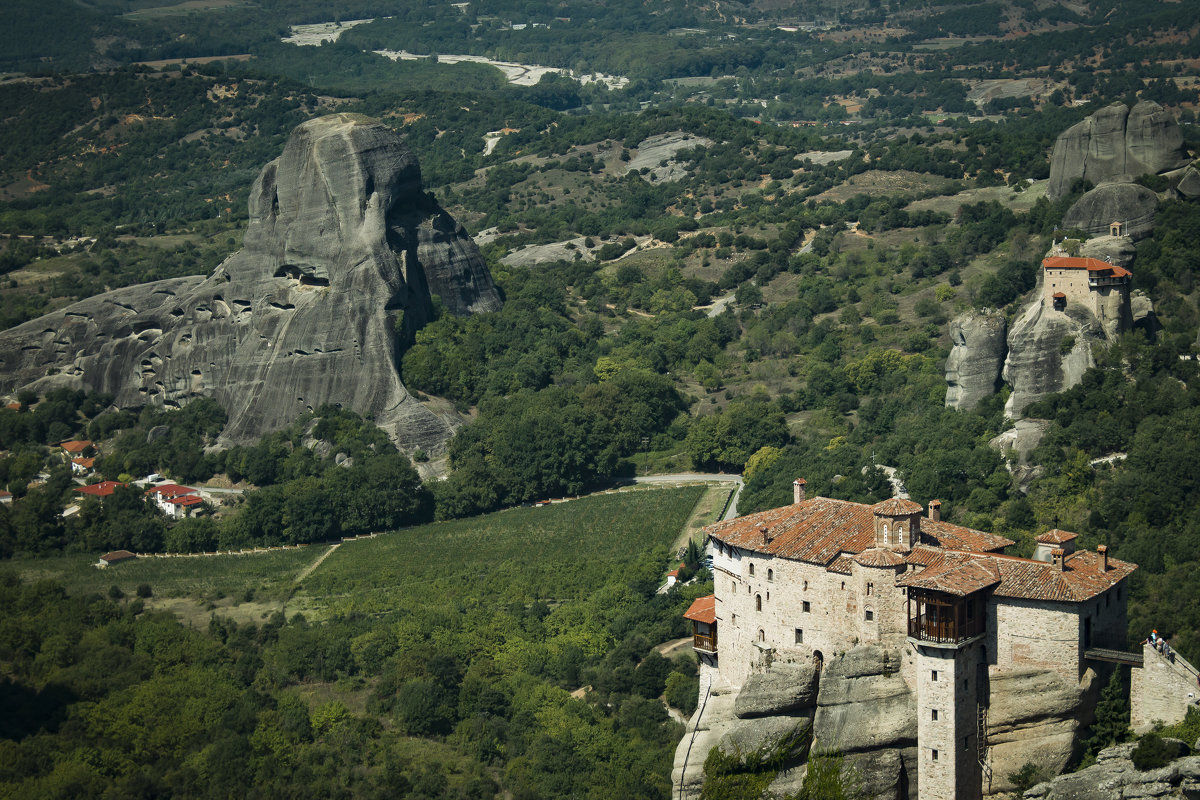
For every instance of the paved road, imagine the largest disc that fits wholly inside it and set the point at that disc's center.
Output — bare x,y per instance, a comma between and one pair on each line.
697,477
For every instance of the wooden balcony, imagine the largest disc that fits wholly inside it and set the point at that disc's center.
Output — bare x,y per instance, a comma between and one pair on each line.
704,643
944,620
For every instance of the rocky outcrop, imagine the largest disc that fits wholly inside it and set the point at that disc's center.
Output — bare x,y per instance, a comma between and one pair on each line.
341,258
1114,777
1116,143
1048,351
1186,182
1130,204
1036,716
1118,250
973,368
783,689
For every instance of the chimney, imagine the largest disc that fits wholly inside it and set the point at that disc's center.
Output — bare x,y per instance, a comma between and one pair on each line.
766,536
798,490
935,510
1103,551
1056,557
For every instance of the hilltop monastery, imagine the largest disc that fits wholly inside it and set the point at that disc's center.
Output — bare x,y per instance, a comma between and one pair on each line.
820,576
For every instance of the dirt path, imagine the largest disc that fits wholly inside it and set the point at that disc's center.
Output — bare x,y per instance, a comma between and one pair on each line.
668,649
309,569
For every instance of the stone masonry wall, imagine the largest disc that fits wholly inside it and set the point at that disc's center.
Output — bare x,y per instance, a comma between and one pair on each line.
1035,634
1160,691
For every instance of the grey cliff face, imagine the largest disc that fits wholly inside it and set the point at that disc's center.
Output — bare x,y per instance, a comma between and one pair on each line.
1131,204
1037,364
973,367
1114,777
1116,143
342,248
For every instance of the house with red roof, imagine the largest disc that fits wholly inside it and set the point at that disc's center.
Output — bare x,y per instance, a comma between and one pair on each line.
1088,283
82,466
953,612
101,489
75,447
175,500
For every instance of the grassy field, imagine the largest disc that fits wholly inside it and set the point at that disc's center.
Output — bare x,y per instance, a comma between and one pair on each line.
556,552
269,574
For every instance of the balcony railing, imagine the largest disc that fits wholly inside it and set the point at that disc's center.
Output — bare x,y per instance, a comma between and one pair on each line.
704,643
943,629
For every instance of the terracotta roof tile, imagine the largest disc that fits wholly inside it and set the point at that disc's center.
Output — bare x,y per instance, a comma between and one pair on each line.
1055,536
956,537
169,490
1090,264
102,489
895,507
1021,578
702,609
842,565
76,446
878,557
959,574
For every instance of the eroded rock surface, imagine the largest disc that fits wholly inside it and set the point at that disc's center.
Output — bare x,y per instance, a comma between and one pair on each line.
1048,351
973,367
1118,250
1114,777
342,251
783,689
1117,142
1131,204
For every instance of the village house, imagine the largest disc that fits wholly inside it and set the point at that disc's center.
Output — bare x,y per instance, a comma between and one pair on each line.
175,500
101,489
75,448
820,576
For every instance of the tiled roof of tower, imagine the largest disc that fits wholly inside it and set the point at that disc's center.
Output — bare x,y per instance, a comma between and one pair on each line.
1022,578
1055,536
702,609
820,529
955,573
895,507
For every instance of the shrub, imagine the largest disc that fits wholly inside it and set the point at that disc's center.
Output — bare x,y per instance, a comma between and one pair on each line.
1028,776
1153,752
144,590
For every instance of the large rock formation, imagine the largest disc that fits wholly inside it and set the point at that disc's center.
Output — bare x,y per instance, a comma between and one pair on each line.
1116,143
342,255
1048,351
973,368
1130,204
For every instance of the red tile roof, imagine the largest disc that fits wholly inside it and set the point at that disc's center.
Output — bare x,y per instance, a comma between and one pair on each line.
84,462
186,500
820,529
878,557
117,555
1090,264
1021,578
702,609
835,534
76,446
169,490
102,489
896,507
1055,536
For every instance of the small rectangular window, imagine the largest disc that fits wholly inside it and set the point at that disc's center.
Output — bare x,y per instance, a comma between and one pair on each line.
934,678
935,715
966,743
799,636
870,615
935,755
870,586
805,606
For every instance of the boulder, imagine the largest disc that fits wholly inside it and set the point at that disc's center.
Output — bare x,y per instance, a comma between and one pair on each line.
1187,182
1114,143
783,689
704,731
973,367
1038,362
1131,204
341,258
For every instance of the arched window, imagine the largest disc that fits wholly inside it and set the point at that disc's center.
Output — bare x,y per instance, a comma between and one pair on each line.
762,637
899,534
886,535
770,574
751,568
758,602
806,586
